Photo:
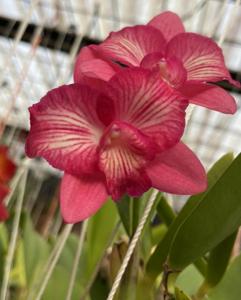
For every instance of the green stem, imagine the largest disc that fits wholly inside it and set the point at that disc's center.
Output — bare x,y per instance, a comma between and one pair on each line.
165,211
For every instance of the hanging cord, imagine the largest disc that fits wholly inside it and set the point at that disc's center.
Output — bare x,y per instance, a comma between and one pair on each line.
132,245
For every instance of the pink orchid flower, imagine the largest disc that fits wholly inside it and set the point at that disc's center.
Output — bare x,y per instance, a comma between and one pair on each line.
122,137
7,170
3,211
188,62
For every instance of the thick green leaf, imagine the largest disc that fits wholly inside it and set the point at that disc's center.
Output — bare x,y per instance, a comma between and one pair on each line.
58,286
229,288
36,251
98,237
216,216
156,261
219,259
125,209
189,280
180,295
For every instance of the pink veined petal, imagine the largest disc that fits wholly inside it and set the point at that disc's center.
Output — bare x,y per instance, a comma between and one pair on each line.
210,96
131,44
168,23
145,101
201,57
91,63
171,69
81,197
65,129
124,152
177,171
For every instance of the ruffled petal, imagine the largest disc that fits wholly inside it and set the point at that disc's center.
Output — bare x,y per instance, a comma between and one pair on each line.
90,63
131,44
201,57
124,151
81,197
177,171
168,23
144,100
65,129
171,69
7,167
210,96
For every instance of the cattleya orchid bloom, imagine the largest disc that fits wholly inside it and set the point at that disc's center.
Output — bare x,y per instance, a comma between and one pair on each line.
188,62
7,170
115,138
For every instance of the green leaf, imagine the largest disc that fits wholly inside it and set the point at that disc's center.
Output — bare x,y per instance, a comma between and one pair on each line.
219,259
36,251
18,272
189,280
179,295
99,235
130,210
58,286
217,215
229,288
156,261
125,209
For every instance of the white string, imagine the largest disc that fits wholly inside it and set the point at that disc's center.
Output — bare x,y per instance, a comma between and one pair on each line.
76,260
132,245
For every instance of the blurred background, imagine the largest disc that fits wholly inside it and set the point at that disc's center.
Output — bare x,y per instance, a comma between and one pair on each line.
39,41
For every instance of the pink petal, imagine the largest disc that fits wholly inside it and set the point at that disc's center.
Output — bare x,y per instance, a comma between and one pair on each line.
178,171
201,57
124,152
144,100
90,63
131,44
65,129
171,69
168,23
7,166
210,96
3,193
81,197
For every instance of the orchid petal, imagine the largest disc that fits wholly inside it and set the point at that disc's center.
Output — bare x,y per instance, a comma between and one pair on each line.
171,69
201,57
81,197
7,167
144,100
124,151
210,96
3,193
131,44
177,171
168,23
65,128
90,63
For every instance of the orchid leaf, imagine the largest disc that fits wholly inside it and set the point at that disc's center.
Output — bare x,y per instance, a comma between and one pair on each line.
229,288
219,259
180,295
100,233
189,280
156,261
214,218
36,250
